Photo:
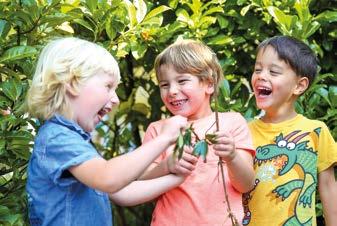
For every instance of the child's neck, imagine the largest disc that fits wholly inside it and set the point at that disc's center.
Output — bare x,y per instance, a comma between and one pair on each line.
201,114
277,117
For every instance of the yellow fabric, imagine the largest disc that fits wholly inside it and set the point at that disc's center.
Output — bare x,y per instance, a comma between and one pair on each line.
288,157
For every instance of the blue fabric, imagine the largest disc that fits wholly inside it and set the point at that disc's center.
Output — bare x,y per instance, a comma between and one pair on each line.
55,197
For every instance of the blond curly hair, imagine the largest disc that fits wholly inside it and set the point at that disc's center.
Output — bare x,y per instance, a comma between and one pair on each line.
62,62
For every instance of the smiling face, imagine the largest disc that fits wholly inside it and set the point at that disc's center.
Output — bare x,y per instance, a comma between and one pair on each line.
275,84
96,97
184,94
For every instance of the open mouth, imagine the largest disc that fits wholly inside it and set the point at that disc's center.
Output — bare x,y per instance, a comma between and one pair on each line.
103,112
263,91
178,103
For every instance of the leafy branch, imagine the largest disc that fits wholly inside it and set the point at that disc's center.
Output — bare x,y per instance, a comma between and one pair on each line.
200,148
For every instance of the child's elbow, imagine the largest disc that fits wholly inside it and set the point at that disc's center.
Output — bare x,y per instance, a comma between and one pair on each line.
247,186
251,186
109,185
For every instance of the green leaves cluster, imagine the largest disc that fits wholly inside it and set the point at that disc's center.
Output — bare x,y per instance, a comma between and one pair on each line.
200,147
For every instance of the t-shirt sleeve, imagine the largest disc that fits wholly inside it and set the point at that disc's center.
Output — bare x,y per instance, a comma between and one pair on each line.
150,133
241,134
327,148
63,150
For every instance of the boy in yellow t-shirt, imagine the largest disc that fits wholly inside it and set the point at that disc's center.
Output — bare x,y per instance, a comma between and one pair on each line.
293,154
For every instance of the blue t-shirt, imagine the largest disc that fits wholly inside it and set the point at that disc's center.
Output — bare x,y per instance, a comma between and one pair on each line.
55,197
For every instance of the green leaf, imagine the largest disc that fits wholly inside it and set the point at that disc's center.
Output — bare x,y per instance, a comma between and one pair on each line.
302,8
18,52
195,6
179,146
138,50
281,18
84,24
173,3
207,21
20,136
327,16
188,137
314,26
20,149
201,149
245,9
141,108
2,146
141,10
132,13
4,28
92,5
223,22
183,16
225,88
4,102
324,93
9,218
180,141
212,10
211,138
155,12
110,30
220,40
12,89
314,100
333,96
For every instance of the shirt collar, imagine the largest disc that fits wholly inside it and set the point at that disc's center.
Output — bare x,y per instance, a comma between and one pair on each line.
59,119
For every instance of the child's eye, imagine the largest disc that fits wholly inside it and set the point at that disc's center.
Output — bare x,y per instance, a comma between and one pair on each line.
274,72
182,81
257,70
163,85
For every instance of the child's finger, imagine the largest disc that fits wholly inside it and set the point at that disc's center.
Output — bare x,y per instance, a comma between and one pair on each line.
186,165
188,149
224,140
190,158
223,147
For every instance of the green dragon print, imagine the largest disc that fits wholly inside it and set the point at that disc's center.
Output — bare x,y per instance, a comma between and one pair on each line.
295,153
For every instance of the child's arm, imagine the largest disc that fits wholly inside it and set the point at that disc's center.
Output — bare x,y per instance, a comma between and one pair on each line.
239,162
327,187
142,191
114,174
146,190
172,165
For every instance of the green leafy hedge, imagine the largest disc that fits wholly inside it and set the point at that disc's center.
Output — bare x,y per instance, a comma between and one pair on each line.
135,32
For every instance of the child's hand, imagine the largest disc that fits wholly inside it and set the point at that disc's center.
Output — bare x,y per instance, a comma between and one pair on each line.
224,146
183,166
172,126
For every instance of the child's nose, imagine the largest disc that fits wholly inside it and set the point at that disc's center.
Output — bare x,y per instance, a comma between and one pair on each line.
173,89
262,75
114,98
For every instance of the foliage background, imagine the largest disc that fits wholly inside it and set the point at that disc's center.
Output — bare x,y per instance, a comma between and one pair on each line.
135,32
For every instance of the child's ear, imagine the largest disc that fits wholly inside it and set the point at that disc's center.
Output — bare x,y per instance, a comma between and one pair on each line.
210,87
71,90
302,85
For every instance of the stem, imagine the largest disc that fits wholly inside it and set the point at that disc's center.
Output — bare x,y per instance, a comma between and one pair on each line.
195,134
229,210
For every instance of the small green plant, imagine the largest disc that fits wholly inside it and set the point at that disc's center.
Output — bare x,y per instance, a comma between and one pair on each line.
200,147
